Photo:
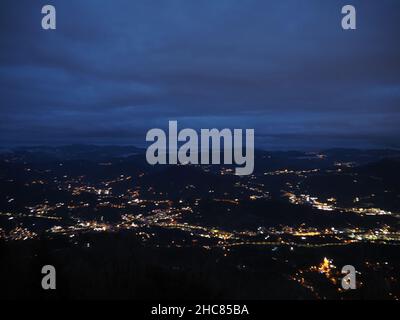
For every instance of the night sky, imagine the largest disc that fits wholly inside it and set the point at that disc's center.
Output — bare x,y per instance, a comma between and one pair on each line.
115,69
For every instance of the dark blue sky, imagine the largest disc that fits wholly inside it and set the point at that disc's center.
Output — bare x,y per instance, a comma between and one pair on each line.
114,69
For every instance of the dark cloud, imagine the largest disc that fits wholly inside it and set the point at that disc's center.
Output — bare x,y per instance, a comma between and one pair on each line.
114,69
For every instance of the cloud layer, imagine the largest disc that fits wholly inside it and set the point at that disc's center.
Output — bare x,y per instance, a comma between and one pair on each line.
114,69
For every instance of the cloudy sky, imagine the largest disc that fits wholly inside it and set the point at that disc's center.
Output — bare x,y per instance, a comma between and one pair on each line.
112,70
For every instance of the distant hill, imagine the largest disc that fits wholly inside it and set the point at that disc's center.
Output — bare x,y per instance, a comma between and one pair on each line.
73,152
